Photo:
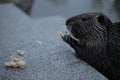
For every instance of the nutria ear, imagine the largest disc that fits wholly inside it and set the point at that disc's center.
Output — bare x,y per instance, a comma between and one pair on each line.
117,26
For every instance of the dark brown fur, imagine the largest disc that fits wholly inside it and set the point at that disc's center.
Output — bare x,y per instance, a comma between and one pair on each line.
98,42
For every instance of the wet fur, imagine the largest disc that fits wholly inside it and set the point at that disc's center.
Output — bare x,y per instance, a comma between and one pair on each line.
99,42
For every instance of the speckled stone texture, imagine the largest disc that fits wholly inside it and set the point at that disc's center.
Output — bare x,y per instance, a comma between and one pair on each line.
46,55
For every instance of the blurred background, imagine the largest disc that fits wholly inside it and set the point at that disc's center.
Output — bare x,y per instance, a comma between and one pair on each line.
67,8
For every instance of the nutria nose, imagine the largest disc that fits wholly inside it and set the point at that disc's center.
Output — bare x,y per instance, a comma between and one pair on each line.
70,20
73,19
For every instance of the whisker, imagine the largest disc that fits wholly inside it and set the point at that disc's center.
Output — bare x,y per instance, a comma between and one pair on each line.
70,29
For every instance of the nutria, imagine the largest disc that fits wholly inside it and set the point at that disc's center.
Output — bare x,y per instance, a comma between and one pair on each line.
95,40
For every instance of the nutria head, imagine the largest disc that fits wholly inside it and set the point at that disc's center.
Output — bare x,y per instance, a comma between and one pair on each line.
95,40
88,25
88,32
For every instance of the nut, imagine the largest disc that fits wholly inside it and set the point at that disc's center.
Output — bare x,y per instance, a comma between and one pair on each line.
20,52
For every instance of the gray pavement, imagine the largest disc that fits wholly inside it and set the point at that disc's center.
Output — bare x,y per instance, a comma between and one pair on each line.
47,56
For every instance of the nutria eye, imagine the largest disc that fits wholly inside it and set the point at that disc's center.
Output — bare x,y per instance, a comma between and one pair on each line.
100,19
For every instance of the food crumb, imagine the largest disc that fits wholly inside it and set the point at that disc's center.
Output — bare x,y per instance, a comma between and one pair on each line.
15,63
61,33
20,52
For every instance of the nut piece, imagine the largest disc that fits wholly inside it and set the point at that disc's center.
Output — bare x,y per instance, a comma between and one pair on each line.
7,64
15,63
61,34
20,52
14,59
21,64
